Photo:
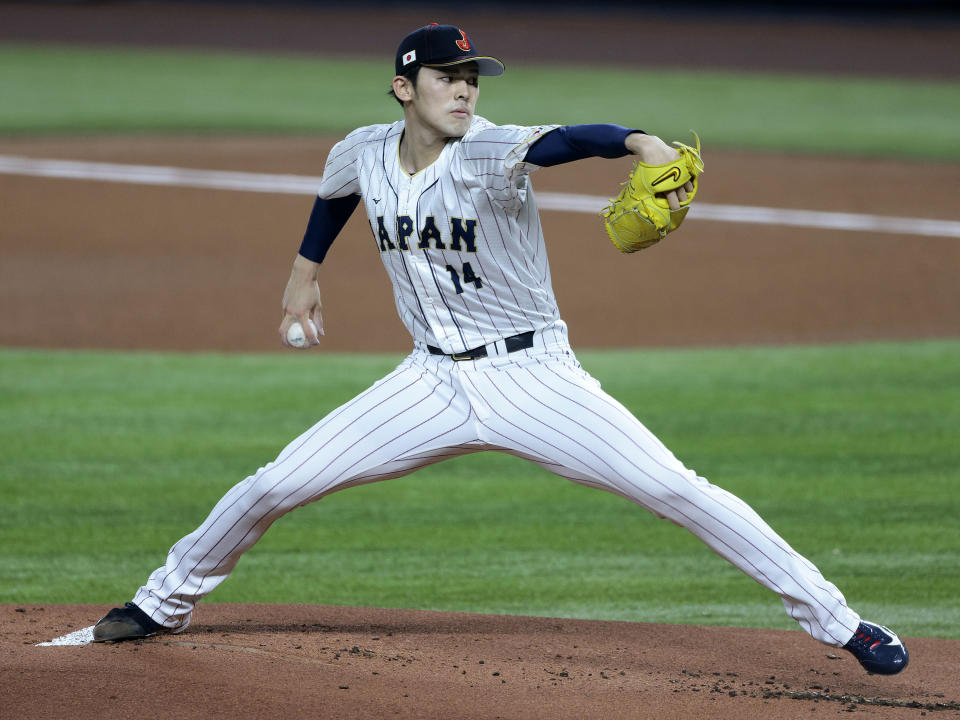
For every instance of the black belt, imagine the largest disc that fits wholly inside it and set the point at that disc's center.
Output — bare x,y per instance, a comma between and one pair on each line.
512,343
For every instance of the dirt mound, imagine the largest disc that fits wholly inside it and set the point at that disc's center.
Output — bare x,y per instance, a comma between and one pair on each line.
245,661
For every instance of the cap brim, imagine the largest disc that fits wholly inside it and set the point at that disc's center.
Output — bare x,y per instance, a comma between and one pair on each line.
488,66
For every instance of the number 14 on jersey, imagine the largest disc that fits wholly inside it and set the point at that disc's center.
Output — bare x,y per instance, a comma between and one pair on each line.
467,275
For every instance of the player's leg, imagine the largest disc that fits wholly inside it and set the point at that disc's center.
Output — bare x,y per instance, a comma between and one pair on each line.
552,412
409,419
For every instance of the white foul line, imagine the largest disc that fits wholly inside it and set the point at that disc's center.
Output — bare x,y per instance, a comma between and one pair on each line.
159,175
566,202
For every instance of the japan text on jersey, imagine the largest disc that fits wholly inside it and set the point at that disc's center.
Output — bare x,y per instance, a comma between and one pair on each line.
461,240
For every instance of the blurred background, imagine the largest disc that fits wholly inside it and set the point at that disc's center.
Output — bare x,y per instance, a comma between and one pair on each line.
847,36
842,107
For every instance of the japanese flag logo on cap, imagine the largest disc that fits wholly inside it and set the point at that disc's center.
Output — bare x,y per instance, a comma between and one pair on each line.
409,57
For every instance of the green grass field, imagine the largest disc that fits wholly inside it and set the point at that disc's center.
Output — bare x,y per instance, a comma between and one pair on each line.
850,452
66,90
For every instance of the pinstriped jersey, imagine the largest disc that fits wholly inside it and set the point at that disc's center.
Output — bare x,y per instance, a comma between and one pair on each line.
461,240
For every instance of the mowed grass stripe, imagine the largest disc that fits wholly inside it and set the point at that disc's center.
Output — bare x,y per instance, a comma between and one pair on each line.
67,89
848,451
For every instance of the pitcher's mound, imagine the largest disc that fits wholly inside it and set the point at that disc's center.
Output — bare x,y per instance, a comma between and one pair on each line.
286,661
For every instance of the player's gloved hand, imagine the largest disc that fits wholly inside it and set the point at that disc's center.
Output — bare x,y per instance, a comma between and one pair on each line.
301,300
657,195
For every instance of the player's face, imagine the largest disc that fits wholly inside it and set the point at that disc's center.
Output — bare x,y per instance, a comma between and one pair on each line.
445,98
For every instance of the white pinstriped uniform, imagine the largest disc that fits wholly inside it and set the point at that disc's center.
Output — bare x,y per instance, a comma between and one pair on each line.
479,181
536,403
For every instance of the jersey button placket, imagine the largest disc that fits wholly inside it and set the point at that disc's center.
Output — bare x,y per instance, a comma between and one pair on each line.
418,264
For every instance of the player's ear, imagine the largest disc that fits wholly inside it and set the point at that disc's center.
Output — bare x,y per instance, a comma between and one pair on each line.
403,88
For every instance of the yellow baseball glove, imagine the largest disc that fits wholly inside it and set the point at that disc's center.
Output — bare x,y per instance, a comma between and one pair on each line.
640,216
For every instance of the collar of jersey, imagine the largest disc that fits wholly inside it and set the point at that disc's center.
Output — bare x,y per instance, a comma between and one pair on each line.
421,170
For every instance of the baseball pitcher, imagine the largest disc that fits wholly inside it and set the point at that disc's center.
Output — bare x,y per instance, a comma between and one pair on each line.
454,221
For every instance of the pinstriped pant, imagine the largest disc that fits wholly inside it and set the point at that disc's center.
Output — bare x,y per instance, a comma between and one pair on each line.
537,404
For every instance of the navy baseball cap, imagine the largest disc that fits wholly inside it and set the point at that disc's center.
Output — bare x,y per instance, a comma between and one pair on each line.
442,46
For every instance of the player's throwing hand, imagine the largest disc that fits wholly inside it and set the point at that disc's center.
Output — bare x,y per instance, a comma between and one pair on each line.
301,301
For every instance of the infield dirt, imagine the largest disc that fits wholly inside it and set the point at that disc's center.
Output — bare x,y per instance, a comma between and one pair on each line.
102,265
135,266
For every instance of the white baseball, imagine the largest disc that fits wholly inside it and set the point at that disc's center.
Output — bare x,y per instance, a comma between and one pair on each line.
297,337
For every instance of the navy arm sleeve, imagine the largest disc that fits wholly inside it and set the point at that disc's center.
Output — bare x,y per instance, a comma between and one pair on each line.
575,142
326,221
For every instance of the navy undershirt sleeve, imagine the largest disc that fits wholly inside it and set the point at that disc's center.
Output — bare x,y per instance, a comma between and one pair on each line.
575,142
326,221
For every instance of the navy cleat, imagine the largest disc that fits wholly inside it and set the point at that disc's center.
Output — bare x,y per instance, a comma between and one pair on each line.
126,623
878,649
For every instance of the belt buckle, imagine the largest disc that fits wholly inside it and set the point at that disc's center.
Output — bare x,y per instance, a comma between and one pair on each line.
459,358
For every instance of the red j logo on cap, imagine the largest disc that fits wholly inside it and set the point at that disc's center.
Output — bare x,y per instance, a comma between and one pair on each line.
463,44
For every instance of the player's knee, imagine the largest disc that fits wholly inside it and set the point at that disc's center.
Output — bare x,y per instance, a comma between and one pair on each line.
276,493
668,495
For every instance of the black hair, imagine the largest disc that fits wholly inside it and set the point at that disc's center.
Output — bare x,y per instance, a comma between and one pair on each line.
411,75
